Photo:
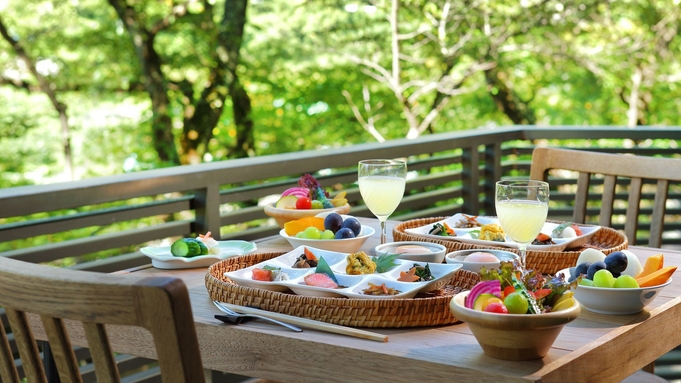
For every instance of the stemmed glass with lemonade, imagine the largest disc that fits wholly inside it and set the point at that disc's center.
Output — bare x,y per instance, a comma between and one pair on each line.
381,184
522,207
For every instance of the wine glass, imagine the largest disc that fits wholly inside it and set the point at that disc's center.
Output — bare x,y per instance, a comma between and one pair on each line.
381,183
522,207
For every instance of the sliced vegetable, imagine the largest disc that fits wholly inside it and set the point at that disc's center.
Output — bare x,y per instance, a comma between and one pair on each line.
485,287
408,276
298,192
188,247
310,256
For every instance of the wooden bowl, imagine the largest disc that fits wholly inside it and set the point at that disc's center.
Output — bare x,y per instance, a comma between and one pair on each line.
284,215
513,336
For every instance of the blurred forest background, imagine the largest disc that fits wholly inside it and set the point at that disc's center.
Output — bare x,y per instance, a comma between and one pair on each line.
100,87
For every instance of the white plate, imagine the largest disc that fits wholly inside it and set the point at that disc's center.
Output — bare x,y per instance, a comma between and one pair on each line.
161,258
353,284
463,235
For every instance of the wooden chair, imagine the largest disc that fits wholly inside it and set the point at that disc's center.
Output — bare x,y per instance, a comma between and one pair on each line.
59,296
613,167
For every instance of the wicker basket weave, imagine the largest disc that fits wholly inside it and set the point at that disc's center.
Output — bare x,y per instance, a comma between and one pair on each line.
606,240
429,309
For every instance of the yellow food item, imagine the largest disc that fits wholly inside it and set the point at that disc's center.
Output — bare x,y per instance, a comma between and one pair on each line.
656,277
294,227
360,263
653,263
492,232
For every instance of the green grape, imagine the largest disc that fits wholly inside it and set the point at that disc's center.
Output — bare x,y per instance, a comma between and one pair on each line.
328,234
312,233
300,234
586,282
625,282
317,204
603,278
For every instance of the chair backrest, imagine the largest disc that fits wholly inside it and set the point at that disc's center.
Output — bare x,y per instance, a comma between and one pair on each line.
613,167
57,296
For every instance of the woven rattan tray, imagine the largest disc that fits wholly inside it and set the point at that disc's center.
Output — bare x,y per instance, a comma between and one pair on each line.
606,240
429,309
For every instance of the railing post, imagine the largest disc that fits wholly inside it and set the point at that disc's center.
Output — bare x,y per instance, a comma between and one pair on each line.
470,179
491,174
207,210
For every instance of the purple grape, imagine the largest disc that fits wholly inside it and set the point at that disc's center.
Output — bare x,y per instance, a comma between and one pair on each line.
333,222
345,233
353,224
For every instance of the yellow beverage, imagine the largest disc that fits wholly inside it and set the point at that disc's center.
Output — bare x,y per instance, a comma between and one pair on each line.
382,194
522,220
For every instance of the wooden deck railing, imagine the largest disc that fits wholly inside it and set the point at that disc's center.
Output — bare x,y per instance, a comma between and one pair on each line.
102,222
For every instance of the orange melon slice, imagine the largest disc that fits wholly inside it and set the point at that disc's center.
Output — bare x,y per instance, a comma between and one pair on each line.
294,227
657,277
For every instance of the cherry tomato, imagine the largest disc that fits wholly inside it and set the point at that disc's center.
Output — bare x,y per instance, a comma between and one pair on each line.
508,290
303,203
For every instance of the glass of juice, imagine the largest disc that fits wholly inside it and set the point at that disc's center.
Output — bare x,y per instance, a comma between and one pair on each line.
522,207
381,184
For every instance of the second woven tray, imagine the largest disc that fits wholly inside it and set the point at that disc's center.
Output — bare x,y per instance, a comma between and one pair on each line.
606,239
426,310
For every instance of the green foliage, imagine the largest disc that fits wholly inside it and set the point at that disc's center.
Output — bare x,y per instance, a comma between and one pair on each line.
304,66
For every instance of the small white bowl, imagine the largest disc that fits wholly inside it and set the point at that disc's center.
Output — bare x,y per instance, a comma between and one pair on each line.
347,245
436,253
615,301
461,255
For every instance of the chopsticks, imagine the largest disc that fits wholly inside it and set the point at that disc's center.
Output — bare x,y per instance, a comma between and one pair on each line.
310,323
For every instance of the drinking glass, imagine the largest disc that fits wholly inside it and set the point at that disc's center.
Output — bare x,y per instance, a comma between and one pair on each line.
381,184
522,207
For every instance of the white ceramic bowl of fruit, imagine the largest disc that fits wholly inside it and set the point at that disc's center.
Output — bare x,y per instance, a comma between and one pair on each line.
475,259
617,284
332,232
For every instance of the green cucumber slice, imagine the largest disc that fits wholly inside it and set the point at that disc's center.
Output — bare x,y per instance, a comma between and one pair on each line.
186,247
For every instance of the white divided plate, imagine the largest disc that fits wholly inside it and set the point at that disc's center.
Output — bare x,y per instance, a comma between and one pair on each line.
463,234
353,284
161,258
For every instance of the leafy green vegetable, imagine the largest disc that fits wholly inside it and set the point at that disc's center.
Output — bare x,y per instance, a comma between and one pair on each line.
385,262
475,234
423,272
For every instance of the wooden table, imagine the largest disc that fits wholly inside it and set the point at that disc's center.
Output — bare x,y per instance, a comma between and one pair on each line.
595,347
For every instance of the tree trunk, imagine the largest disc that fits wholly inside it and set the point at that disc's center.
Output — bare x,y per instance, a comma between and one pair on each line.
154,82
507,100
47,89
231,38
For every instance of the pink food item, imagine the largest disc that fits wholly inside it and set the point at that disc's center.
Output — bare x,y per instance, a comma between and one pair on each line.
320,280
412,249
481,256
